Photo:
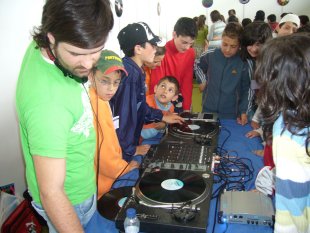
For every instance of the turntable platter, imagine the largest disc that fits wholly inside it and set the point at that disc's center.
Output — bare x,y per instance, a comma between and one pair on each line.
172,187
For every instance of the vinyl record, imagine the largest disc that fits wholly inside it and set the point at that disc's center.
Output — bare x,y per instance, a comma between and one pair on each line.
194,127
172,186
119,7
111,203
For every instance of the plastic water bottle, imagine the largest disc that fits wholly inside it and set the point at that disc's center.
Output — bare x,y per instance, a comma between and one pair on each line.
131,223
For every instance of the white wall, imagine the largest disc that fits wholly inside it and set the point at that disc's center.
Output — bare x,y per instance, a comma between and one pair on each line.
17,18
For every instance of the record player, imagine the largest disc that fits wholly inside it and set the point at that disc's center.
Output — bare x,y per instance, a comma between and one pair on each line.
203,128
170,201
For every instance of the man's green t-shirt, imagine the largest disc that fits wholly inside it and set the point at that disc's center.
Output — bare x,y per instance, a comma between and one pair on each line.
55,120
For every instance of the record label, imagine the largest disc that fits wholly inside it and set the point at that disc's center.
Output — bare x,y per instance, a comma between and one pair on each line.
121,202
193,127
172,184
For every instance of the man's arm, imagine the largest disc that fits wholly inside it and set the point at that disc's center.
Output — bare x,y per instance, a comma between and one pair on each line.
51,175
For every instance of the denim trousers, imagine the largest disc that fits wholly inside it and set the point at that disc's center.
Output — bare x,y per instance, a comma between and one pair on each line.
84,211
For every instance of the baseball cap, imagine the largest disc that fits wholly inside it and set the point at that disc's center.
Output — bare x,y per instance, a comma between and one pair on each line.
109,61
136,34
290,18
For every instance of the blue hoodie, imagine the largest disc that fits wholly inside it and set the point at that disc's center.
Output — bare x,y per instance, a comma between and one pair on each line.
227,82
129,103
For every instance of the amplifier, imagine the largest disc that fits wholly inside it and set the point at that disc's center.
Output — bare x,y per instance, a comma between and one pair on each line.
246,208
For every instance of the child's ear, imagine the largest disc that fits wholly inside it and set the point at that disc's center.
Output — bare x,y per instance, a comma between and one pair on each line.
155,88
175,97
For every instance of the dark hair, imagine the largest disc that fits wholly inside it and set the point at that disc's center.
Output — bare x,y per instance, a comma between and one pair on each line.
246,21
254,32
84,24
171,79
272,18
231,12
234,31
215,16
304,19
260,16
283,72
131,52
305,28
186,27
232,19
201,22
160,50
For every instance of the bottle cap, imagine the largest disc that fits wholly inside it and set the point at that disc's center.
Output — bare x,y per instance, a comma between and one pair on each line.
131,212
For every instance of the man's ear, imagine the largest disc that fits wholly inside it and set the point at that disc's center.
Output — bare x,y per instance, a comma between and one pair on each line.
51,38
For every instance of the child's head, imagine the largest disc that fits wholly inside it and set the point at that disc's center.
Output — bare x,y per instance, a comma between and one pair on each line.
283,72
159,56
231,39
137,39
106,76
254,35
184,33
288,25
167,90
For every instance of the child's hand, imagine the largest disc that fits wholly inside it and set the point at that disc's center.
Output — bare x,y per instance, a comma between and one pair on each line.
252,134
202,86
254,125
173,118
160,125
142,149
243,119
132,165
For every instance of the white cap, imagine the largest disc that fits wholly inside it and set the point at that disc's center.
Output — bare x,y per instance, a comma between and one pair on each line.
290,18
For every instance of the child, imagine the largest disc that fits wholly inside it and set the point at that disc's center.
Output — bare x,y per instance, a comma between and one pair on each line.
179,61
166,91
288,25
149,66
105,80
224,77
129,103
283,74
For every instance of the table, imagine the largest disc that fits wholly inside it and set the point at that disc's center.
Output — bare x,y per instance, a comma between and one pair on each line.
237,144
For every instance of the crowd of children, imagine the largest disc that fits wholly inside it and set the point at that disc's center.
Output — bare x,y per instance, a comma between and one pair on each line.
244,73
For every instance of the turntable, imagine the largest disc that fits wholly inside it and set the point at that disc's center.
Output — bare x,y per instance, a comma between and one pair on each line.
202,127
170,201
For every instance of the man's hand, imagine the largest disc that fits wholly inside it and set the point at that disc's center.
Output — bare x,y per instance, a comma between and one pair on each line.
202,86
173,118
142,149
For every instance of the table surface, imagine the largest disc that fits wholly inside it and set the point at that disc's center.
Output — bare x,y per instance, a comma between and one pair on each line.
232,139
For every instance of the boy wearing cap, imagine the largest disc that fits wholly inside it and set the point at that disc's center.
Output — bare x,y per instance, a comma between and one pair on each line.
105,80
288,25
129,103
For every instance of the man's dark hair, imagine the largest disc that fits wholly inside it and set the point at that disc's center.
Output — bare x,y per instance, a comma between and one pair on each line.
246,21
272,18
186,27
84,24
